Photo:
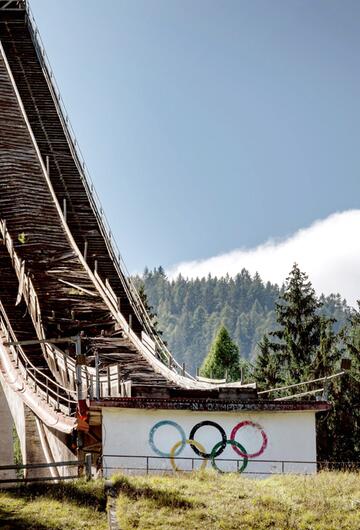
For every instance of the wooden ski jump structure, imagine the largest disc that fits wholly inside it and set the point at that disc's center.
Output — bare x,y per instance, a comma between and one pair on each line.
73,326
74,333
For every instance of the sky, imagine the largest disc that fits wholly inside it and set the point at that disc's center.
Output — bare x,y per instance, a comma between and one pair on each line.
218,128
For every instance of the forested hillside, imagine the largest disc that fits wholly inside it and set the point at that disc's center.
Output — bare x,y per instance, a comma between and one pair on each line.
189,312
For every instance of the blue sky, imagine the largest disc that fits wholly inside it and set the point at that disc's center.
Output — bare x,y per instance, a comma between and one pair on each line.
210,125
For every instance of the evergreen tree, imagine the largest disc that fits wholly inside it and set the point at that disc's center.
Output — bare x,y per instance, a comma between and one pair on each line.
329,351
149,309
267,369
342,424
297,339
243,303
306,347
222,359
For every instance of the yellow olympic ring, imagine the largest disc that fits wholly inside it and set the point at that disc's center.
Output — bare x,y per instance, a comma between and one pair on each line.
190,442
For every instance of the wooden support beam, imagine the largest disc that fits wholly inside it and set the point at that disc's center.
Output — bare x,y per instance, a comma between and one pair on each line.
78,287
85,249
65,209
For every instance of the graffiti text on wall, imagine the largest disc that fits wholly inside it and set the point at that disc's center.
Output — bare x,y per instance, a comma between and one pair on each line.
217,449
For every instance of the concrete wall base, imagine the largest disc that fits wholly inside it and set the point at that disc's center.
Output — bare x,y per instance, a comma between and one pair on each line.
6,437
39,443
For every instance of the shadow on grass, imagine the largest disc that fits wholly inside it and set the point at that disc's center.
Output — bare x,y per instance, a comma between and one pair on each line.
10,520
162,498
79,493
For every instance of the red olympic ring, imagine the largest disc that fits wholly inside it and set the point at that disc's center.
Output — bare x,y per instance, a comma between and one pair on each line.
263,434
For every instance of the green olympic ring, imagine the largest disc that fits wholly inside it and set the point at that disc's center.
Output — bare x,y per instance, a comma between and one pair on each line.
233,443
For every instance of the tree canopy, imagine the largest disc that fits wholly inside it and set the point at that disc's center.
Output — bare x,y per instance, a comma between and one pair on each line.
191,311
222,360
305,347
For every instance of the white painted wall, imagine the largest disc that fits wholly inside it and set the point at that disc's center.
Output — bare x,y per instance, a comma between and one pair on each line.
290,436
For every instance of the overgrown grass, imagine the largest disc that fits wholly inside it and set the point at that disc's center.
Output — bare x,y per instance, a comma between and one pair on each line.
326,501
64,506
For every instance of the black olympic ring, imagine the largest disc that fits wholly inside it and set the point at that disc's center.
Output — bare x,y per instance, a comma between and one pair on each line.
221,444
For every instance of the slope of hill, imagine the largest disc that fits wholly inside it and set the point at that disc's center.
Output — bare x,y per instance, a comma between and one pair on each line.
44,506
324,501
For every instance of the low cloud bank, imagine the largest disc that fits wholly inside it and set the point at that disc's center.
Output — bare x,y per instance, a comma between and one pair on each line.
328,251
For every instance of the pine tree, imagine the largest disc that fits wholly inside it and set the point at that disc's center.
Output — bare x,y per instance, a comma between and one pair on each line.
222,359
297,339
267,369
304,345
251,316
329,351
149,309
343,422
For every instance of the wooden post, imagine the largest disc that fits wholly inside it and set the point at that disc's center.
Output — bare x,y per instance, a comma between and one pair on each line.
91,388
88,472
66,373
183,369
97,375
108,381
118,379
78,369
85,249
64,209
87,379
47,165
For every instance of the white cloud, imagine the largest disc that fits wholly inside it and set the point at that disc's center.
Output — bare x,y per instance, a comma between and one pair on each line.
328,251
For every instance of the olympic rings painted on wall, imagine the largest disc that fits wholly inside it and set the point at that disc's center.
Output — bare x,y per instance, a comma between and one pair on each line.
221,444
235,445
193,444
160,424
218,448
256,426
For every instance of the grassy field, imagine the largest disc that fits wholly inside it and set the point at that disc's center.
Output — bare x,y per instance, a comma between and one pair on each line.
66,506
326,501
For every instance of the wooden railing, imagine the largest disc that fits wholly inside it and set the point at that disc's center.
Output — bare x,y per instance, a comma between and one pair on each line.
24,467
27,291
55,395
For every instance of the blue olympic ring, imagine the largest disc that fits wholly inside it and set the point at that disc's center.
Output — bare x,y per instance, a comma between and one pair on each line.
173,424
